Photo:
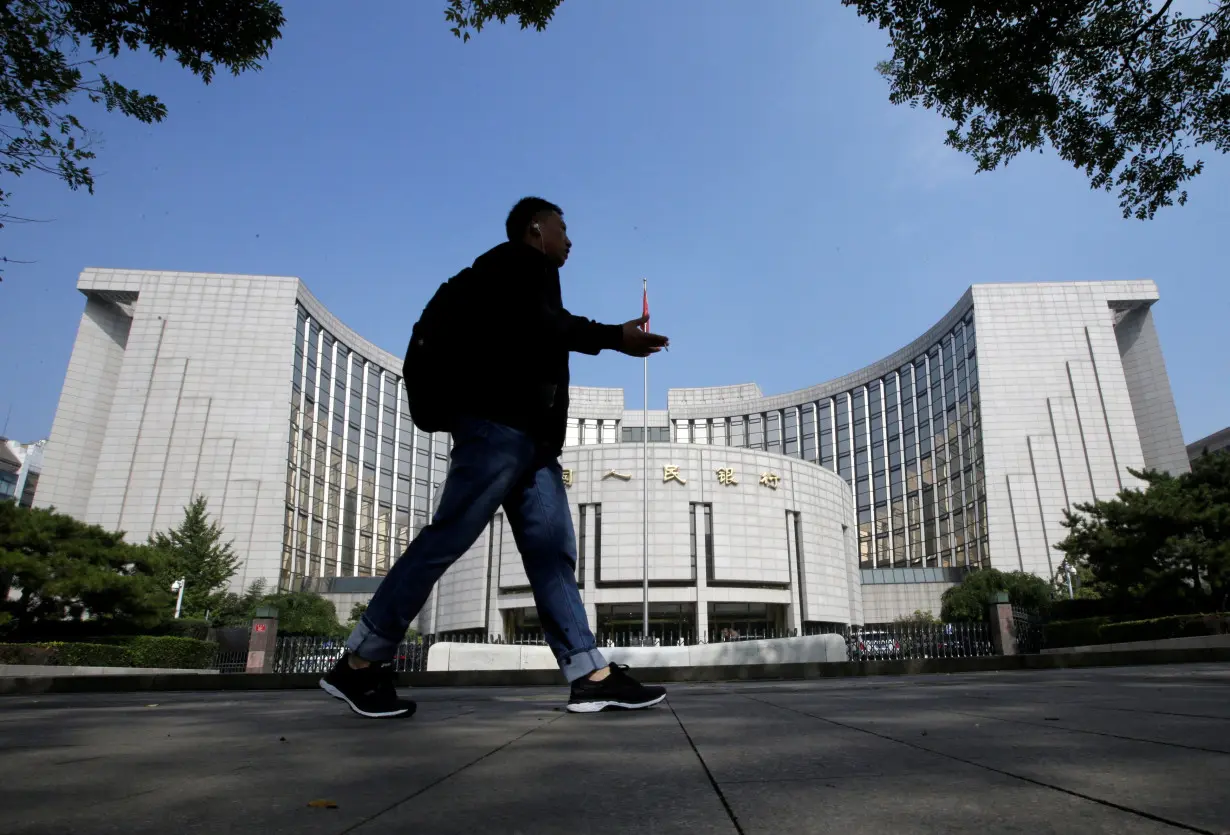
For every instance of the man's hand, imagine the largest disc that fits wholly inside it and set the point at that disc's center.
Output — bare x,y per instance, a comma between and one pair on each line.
639,343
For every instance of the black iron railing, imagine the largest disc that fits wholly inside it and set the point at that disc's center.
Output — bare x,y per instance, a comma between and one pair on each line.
873,643
1027,626
896,642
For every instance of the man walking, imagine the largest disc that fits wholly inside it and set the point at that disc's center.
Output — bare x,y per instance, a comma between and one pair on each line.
508,413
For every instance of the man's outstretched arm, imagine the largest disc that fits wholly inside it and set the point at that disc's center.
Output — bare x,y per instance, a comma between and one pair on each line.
586,336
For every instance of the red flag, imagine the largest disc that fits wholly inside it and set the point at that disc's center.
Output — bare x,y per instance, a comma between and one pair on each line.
645,308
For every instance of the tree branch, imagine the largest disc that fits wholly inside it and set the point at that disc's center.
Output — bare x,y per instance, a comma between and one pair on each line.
1149,24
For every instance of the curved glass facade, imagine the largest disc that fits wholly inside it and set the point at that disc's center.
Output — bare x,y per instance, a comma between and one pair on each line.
909,444
360,477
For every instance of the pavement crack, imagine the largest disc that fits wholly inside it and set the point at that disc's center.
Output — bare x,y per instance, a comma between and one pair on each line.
451,774
1070,729
1041,783
1092,706
730,812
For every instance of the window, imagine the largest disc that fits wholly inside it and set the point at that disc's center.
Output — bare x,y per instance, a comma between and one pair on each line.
773,431
791,446
755,432
582,537
702,537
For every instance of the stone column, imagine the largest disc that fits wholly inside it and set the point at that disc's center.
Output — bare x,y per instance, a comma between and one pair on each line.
262,640
1003,628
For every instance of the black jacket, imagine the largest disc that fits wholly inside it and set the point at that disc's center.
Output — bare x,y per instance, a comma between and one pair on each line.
512,363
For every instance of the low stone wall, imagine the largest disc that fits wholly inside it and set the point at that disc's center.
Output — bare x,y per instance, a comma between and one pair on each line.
1195,642
52,670
33,686
810,649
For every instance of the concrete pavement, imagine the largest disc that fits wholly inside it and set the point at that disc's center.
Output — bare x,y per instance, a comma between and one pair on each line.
1112,750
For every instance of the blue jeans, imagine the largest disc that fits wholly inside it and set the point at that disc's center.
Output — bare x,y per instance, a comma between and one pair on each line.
491,465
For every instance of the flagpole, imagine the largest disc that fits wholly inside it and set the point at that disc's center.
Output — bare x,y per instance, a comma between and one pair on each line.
645,494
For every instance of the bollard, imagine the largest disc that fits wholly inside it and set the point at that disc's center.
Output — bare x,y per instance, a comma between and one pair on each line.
262,640
1003,626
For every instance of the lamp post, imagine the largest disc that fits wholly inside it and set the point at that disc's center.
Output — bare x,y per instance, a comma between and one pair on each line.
178,586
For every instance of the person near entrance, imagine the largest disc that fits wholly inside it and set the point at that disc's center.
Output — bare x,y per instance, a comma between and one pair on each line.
506,371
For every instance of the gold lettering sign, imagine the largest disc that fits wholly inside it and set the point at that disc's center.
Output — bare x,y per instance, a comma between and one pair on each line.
726,476
770,480
567,478
671,473
620,476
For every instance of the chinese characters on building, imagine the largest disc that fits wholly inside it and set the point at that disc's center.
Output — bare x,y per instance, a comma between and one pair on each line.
726,476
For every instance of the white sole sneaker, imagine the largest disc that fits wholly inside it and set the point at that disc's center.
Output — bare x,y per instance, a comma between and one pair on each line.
598,707
338,694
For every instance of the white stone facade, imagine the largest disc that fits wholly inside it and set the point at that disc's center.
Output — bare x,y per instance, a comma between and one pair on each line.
727,528
960,450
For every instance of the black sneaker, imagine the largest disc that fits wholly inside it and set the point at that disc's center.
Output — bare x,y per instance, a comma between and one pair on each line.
370,691
618,691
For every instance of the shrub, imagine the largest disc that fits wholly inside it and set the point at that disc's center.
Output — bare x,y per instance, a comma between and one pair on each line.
1083,608
170,652
23,654
67,655
1074,633
186,628
1102,630
167,652
969,599
1157,629
92,655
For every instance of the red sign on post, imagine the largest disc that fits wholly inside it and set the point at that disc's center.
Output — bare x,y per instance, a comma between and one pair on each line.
259,627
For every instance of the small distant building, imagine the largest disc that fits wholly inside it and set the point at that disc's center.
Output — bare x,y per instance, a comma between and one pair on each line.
20,466
1213,443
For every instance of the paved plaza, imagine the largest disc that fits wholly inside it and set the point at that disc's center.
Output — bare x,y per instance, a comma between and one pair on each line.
1121,750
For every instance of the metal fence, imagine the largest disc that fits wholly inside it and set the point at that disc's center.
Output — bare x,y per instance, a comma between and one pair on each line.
878,643
1028,628
231,662
318,655
896,642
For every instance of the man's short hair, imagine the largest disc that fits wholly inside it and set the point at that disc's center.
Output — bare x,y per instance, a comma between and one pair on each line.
523,214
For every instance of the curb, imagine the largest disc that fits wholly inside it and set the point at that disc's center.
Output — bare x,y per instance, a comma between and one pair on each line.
238,682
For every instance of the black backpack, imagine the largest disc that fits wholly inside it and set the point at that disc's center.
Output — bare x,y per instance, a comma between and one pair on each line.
428,371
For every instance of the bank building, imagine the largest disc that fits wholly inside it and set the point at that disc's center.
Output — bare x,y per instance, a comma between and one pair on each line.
852,501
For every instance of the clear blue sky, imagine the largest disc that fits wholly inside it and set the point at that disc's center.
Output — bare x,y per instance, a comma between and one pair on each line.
793,224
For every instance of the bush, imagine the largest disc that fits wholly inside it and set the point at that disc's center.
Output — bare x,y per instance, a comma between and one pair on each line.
169,652
186,628
1074,633
67,655
1083,608
1103,630
142,651
306,614
1157,629
970,599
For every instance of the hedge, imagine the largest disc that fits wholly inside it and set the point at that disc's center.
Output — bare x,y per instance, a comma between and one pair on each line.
67,654
171,653
141,651
186,628
1101,630
1074,633
1156,629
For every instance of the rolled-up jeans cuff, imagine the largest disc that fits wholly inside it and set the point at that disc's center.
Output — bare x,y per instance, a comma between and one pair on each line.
581,664
369,644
